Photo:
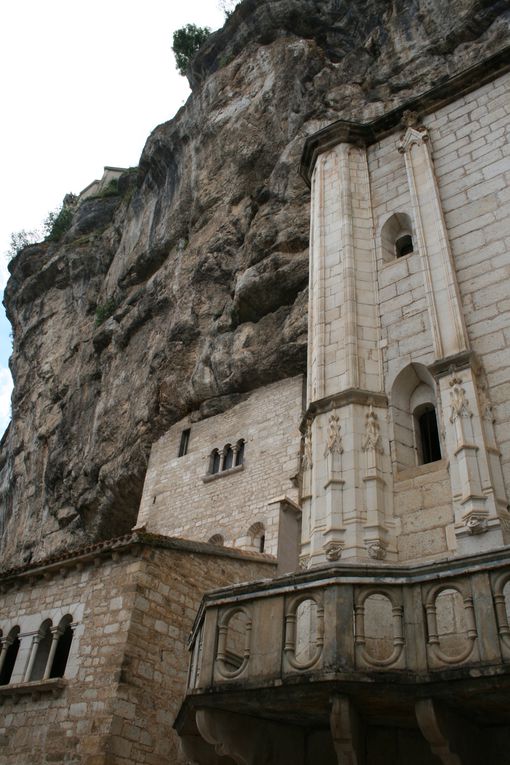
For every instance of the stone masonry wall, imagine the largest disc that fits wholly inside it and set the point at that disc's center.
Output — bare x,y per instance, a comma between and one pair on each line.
127,668
176,501
471,157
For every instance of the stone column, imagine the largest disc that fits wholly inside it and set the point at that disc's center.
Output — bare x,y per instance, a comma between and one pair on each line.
33,653
3,652
343,515
56,634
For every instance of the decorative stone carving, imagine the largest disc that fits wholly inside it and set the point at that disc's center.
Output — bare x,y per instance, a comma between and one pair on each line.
415,133
333,551
307,460
334,442
458,401
476,524
485,403
376,550
372,438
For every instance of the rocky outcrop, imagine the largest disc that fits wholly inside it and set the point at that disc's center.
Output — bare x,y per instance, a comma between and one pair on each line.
188,287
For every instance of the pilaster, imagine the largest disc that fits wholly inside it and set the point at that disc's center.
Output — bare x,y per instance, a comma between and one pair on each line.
344,470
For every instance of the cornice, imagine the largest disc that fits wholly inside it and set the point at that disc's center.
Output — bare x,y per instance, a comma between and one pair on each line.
368,133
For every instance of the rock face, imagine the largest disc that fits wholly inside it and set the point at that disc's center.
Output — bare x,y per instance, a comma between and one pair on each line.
197,269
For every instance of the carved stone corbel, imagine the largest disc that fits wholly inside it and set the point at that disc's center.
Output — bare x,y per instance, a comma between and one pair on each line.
250,741
346,731
453,740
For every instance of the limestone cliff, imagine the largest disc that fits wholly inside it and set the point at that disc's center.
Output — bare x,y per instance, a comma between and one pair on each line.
201,258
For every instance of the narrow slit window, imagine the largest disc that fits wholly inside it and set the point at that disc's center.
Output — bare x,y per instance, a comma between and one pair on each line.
429,436
214,464
62,650
240,452
228,458
183,446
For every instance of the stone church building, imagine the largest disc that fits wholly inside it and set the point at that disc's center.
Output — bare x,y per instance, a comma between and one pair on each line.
320,573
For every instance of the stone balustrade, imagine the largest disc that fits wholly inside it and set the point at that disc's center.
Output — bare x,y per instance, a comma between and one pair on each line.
352,622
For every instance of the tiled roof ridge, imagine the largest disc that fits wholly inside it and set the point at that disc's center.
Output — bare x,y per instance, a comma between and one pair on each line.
135,537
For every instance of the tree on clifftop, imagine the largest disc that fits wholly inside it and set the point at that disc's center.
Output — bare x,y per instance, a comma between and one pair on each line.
186,42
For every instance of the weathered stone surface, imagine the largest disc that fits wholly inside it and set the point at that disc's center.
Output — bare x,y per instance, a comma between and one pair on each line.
202,264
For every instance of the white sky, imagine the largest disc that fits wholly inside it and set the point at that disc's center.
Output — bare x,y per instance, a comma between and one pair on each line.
82,86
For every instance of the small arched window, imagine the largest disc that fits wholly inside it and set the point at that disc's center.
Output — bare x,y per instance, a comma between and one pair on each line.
42,647
239,452
414,414
397,237
217,540
429,447
63,638
10,652
214,461
228,457
257,535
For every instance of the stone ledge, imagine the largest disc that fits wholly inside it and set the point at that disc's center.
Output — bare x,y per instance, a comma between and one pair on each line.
35,688
213,476
418,470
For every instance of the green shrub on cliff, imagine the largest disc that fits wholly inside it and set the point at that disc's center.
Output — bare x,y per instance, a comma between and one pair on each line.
59,221
186,42
105,310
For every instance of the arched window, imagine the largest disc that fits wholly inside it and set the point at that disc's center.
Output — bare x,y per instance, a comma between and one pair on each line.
228,457
397,237
9,654
63,638
413,409
217,539
214,461
239,450
429,448
257,536
42,647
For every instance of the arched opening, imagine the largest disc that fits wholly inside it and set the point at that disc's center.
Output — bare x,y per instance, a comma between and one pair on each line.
429,447
240,452
214,461
257,537
397,237
63,647
44,639
217,539
228,457
416,438
13,643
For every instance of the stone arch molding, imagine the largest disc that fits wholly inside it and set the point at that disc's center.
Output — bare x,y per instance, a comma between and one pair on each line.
413,389
315,631
397,626
501,596
454,615
223,659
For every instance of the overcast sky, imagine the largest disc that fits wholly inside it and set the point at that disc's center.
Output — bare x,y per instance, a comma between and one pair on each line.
82,86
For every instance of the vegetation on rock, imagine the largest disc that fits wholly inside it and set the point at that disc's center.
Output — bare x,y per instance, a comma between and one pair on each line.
105,310
186,42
